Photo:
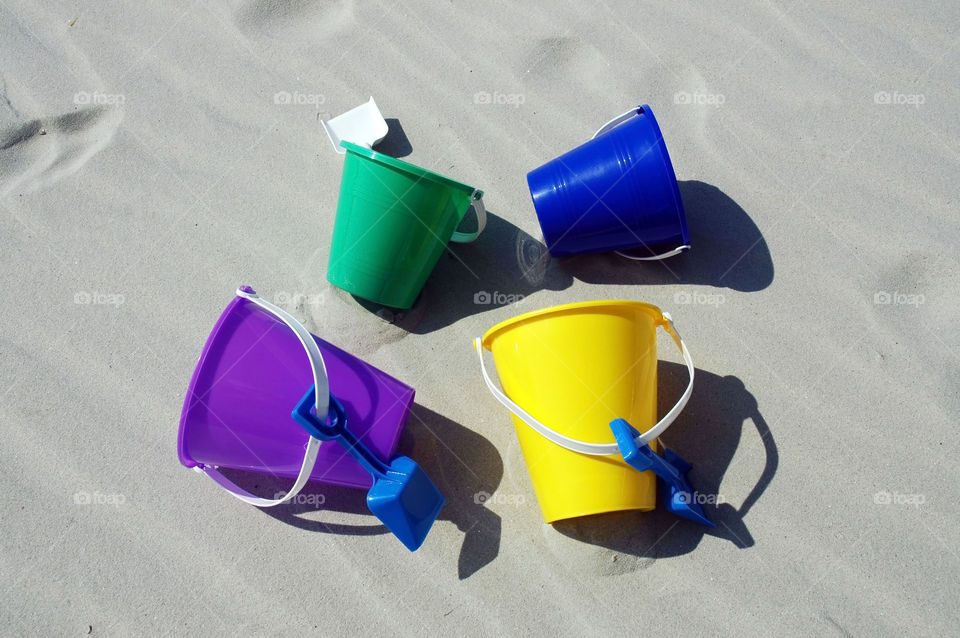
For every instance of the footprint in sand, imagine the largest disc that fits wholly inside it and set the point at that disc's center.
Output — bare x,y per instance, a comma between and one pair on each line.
295,20
40,152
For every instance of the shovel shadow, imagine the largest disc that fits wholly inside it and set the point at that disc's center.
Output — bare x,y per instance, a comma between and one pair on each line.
727,250
707,434
501,267
464,465
459,461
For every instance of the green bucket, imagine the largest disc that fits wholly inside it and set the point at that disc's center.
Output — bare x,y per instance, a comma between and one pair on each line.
393,222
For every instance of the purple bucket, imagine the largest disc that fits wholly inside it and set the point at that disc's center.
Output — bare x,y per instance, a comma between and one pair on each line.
250,376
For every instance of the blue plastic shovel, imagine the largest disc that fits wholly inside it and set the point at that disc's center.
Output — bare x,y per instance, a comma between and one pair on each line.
671,470
403,497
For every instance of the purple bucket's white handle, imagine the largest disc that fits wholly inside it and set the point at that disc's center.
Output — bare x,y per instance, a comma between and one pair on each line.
623,117
597,449
481,212
323,405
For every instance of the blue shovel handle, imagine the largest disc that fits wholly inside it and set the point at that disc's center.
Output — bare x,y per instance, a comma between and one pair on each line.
642,457
670,468
335,429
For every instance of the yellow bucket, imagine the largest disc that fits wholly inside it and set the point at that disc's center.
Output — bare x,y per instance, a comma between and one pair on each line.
578,367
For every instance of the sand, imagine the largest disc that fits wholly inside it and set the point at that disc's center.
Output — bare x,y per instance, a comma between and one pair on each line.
147,169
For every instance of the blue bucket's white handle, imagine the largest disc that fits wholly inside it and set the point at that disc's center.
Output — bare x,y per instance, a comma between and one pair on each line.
597,449
481,212
322,402
623,117
670,253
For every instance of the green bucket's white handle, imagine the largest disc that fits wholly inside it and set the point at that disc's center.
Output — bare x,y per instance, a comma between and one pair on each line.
323,405
597,449
623,117
481,212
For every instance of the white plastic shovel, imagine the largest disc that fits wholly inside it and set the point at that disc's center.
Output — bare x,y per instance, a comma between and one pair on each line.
363,125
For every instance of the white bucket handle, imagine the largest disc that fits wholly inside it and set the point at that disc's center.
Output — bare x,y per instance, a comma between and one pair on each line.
481,212
669,253
323,405
597,449
623,117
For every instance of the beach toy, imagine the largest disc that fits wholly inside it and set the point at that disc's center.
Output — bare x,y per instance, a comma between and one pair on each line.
394,220
589,369
363,125
616,191
253,402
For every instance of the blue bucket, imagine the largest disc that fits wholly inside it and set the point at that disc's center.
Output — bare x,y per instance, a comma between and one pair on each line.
616,191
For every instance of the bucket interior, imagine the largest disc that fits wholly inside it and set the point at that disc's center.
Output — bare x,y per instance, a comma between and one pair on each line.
252,373
576,368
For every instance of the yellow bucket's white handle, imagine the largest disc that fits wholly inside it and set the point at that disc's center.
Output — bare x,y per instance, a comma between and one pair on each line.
597,449
322,404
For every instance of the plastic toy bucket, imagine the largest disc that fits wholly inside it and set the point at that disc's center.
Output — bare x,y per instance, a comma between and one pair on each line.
394,220
616,191
567,372
253,371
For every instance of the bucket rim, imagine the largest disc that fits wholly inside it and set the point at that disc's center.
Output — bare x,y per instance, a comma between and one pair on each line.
492,333
645,109
212,339
407,167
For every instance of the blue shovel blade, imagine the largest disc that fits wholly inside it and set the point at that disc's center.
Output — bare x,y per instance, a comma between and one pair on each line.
403,497
406,501
678,495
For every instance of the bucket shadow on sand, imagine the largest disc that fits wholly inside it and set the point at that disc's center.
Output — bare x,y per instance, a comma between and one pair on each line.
728,250
460,462
503,265
506,264
717,418
395,144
